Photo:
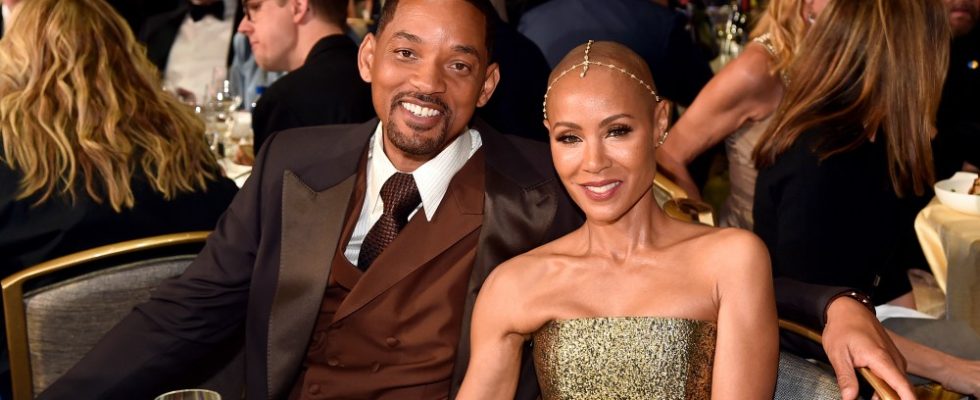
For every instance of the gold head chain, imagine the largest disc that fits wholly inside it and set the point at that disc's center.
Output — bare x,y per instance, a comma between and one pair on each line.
586,62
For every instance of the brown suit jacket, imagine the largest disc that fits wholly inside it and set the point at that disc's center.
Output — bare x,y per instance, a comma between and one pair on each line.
265,267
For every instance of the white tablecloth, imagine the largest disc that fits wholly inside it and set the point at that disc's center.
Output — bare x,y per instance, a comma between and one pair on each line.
951,242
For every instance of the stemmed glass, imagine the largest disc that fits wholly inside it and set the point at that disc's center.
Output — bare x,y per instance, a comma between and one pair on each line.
218,114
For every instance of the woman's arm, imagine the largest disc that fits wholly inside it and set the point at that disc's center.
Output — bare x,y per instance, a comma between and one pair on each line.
496,345
743,91
747,349
954,373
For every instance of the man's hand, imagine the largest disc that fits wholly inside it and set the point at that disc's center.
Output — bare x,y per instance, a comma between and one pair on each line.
853,338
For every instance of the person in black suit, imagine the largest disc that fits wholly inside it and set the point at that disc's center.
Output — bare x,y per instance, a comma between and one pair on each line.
655,32
514,107
323,85
957,143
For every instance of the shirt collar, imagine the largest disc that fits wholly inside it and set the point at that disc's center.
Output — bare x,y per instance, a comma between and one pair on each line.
432,177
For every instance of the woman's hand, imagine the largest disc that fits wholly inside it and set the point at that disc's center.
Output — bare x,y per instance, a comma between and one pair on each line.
854,338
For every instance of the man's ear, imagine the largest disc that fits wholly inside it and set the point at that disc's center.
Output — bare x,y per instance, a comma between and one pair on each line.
300,8
489,84
365,57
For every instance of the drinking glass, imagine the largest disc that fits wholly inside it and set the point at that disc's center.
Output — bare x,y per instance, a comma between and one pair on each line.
212,129
190,394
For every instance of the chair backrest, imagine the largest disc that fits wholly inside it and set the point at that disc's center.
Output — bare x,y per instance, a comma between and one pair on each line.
675,202
801,379
65,320
57,322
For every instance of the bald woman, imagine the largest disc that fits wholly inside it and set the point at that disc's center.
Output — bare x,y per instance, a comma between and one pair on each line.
634,304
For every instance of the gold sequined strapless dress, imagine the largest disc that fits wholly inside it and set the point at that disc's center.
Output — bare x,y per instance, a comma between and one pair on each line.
625,358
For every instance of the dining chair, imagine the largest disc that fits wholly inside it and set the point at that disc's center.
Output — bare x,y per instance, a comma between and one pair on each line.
56,311
675,202
799,378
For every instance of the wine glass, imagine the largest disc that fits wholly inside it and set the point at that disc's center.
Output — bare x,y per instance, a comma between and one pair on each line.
212,133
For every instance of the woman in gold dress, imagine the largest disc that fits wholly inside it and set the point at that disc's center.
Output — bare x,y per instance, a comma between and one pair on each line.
634,304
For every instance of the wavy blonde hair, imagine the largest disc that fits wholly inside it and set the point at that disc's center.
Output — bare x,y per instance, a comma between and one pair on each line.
879,66
80,104
783,21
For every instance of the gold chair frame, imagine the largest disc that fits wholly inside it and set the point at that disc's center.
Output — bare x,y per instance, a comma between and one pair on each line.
680,206
13,296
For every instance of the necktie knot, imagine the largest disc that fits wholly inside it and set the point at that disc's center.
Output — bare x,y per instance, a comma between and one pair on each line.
215,9
400,196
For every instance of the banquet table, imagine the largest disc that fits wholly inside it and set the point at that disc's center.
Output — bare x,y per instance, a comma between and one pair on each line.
951,242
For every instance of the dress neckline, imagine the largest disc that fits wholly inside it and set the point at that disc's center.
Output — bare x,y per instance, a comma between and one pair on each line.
630,318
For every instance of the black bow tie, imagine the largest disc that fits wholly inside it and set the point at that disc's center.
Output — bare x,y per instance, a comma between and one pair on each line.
215,9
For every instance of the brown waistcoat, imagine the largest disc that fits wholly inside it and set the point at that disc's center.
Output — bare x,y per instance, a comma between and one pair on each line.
382,338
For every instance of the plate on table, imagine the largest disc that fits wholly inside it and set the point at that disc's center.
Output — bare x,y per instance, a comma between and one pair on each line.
955,193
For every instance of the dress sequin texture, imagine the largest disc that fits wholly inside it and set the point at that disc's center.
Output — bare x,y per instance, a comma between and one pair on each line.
625,358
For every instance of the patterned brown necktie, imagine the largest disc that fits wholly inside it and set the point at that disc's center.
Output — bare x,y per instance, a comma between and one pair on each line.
400,197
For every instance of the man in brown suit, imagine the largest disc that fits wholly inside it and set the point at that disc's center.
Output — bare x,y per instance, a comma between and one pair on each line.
328,312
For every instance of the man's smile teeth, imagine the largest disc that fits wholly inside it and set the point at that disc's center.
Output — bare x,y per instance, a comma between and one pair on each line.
420,111
603,188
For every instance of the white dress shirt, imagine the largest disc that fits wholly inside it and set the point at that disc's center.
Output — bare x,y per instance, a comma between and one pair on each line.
199,55
432,179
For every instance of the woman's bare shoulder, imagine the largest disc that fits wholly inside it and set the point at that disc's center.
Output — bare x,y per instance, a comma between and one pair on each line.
713,246
754,64
732,253
750,75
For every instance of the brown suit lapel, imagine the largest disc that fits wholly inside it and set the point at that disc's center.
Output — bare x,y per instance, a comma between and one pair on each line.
460,212
311,227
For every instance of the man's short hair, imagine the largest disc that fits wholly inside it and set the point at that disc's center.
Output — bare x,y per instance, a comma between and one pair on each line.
485,7
332,11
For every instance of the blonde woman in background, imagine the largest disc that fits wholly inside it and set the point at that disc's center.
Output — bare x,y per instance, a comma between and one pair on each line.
736,106
93,151
846,163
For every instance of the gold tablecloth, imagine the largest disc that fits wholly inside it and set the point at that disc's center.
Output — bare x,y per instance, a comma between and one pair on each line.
951,242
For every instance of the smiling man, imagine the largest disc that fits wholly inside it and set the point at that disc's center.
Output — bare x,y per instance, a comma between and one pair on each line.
353,256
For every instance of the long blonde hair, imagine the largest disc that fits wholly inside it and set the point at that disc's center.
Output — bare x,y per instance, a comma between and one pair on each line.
81,103
874,65
784,23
